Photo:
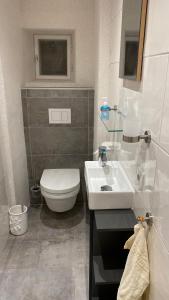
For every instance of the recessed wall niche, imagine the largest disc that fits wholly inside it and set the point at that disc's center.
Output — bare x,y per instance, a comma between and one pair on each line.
29,58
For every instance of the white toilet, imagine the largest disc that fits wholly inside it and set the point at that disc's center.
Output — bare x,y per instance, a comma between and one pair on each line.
60,187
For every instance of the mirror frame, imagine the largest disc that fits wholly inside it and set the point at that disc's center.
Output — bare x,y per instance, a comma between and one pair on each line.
141,38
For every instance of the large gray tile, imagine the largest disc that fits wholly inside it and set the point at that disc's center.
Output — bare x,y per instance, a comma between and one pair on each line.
59,140
6,246
57,284
27,141
91,136
24,254
81,282
59,227
37,284
62,220
38,111
54,265
25,111
17,285
52,93
56,254
23,93
29,167
42,162
91,93
56,233
79,112
91,112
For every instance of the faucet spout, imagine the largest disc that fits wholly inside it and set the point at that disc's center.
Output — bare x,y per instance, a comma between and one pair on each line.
103,155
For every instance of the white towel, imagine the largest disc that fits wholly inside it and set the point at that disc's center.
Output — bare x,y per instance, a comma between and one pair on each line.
135,278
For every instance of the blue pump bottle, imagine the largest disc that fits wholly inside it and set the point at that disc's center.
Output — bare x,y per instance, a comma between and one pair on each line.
105,108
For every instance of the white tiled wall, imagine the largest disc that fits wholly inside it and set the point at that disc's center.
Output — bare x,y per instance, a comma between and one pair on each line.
152,97
153,102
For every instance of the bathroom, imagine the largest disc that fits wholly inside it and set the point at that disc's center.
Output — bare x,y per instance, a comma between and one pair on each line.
51,260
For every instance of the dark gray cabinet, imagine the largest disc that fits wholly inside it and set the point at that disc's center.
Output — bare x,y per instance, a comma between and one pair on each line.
109,230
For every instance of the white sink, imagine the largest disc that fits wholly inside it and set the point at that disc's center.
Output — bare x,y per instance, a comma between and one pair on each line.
114,176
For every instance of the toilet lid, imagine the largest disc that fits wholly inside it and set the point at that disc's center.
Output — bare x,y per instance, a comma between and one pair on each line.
60,180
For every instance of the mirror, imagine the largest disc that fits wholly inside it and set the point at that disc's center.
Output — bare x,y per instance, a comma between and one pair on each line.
132,38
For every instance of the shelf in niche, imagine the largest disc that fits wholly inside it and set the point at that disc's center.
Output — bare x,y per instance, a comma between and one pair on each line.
115,122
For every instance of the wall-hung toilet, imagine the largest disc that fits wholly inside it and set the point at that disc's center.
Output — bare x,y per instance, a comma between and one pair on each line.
60,187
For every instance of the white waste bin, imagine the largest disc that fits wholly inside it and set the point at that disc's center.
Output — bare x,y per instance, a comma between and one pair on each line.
18,219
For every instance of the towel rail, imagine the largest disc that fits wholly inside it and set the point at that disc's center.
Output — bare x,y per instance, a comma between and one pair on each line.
148,219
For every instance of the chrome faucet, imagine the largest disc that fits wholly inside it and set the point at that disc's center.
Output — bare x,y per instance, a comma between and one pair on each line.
103,155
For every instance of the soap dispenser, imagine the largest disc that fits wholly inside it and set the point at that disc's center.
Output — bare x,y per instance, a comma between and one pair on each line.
105,108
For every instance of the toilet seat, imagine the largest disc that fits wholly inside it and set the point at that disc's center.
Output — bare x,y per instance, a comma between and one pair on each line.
60,181
58,196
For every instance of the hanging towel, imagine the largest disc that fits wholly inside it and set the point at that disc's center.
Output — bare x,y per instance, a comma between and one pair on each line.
135,278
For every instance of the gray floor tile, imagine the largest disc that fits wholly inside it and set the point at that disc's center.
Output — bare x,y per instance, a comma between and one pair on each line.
16,285
37,284
53,285
81,283
56,254
6,246
24,254
50,261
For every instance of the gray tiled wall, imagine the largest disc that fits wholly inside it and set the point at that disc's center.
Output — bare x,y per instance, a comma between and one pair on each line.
61,145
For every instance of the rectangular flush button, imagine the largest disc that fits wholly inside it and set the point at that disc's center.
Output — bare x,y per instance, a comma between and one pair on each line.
59,116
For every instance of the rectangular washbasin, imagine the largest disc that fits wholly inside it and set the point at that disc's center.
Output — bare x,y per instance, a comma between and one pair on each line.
112,176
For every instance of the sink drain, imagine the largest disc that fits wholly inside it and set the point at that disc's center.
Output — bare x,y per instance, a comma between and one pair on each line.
106,188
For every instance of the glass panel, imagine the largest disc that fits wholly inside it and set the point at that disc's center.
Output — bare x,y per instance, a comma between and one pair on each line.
115,121
53,57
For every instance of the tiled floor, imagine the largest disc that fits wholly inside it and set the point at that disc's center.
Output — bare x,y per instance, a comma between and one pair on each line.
49,262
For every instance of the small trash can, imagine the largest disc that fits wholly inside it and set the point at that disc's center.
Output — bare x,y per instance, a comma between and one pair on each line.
18,219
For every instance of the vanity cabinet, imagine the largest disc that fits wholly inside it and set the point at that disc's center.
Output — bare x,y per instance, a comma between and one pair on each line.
109,230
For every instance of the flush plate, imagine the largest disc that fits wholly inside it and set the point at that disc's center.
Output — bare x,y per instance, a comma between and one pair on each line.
59,115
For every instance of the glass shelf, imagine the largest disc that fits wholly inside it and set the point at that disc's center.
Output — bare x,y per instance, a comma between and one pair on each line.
115,122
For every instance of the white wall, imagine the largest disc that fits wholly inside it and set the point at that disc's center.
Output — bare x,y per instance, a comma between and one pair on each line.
152,99
102,58
75,15
14,174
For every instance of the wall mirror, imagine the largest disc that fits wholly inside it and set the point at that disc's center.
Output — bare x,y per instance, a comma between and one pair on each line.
132,38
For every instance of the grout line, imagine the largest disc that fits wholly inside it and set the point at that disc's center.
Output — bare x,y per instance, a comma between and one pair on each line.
161,238
88,126
59,154
164,99
58,88
30,145
57,126
56,98
156,55
115,62
161,147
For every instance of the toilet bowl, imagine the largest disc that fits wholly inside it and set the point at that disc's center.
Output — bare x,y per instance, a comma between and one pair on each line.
60,187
